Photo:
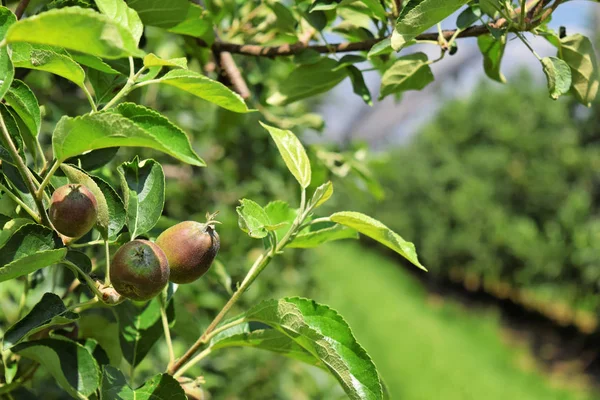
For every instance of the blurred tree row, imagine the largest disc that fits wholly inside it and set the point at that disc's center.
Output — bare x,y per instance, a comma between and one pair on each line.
504,185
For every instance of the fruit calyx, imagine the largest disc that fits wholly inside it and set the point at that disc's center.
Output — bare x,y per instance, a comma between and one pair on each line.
211,219
139,270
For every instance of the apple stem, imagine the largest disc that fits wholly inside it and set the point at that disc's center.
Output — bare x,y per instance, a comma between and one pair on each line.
107,252
259,265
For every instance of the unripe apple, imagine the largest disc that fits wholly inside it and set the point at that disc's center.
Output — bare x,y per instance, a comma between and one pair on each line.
190,247
139,270
73,210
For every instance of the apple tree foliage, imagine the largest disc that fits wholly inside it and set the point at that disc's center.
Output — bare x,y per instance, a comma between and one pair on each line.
98,48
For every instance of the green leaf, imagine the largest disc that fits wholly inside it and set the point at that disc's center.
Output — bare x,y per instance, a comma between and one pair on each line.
376,7
52,4
285,20
381,48
323,5
307,56
10,366
160,13
4,153
293,154
468,17
15,134
78,176
140,327
76,28
253,219
376,230
319,19
490,7
558,74
31,263
492,50
265,339
81,260
358,84
159,387
410,72
323,333
117,216
174,141
205,88
127,125
105,85
12,175
578,52
7,71
49,311
150,74
10,226
7,19
25,104
420,15
16,182
318,237
152,60
94,159
321,195
71,364
93,62
118,12
197,23
280,213
143,186
308,80
96,351
105,331
30,248
49,59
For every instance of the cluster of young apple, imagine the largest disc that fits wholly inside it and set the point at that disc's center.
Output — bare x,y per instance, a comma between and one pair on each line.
140,269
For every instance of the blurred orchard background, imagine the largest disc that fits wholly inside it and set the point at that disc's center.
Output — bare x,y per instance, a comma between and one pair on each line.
497,185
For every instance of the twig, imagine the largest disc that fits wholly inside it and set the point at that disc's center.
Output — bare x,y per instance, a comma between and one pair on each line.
397,7
24,171
129,86
79,273
84,306
259,265
534,11
288,50
89,98
165,324
207,351
92,243
230,69
20,203
40,192
194,361
107,255
21,8
365,45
